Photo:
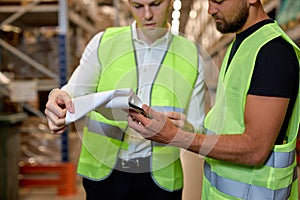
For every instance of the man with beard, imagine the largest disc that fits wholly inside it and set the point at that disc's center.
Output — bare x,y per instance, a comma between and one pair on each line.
252,128
166,72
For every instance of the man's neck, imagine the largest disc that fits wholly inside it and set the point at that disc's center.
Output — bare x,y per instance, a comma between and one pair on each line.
151,35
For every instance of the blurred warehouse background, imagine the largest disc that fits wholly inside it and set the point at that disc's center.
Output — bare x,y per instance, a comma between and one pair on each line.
41,42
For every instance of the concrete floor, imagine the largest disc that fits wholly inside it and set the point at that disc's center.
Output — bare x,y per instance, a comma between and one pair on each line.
192,170
192,166
50,193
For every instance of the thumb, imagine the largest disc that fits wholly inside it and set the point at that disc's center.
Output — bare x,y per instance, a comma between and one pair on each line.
150,111
70,107
68,103
146,108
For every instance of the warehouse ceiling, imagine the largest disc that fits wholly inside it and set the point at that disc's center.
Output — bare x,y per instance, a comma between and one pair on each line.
30,13
24,13
86,17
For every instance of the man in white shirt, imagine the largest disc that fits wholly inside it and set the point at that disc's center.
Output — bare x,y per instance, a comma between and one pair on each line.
166,72
252,130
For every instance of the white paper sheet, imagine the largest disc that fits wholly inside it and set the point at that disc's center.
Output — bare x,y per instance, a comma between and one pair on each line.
110,104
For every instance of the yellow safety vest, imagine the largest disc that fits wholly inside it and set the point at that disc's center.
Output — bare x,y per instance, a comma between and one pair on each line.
277,178
171,91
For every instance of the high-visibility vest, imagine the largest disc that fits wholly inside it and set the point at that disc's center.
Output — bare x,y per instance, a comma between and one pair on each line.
171,91
276,179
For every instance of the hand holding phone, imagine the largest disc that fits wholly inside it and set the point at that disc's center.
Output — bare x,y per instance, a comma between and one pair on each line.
138,109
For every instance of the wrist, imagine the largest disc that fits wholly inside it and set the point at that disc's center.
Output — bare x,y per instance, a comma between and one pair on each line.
52,91
183,139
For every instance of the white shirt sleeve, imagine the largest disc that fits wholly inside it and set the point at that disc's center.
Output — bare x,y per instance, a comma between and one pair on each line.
196,109
85,78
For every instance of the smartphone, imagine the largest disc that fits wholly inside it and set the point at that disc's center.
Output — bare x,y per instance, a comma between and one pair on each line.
138,109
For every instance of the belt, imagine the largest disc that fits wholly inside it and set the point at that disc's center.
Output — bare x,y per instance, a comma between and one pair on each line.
135,165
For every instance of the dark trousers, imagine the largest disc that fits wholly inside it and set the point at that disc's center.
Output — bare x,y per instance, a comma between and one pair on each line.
127,186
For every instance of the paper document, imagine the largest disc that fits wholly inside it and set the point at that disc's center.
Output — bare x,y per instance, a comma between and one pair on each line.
111,104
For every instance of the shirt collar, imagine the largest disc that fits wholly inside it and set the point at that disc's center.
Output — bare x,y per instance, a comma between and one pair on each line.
165,38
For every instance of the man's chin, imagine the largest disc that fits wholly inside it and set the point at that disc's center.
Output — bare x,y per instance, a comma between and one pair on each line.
153,31
150,28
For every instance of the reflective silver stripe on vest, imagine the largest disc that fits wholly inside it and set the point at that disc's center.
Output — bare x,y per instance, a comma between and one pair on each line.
244,190
209,132
104,129
281,159
167,109
276,159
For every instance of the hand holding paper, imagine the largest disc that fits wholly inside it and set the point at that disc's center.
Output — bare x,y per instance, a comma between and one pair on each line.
110,104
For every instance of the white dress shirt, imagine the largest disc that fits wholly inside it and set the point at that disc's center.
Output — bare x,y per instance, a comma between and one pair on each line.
85,78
